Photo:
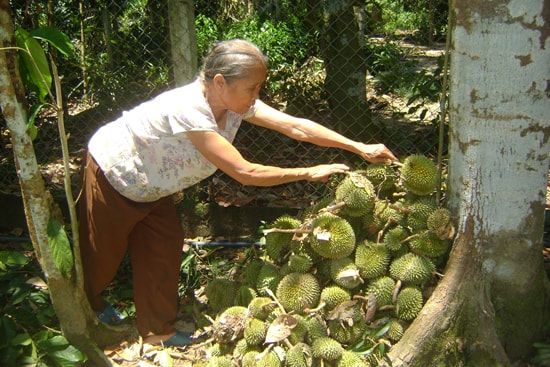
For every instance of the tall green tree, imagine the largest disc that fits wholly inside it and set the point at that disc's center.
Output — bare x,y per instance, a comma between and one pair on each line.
492,303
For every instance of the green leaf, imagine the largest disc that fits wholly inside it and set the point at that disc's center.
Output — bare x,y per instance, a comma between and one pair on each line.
63,354
21,339
31,127
54,37
61,248
33,65
13,259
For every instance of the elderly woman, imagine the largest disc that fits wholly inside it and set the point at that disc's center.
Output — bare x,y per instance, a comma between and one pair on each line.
135,163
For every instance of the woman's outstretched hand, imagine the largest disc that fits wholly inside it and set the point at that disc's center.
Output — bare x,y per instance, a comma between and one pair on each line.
376,153
323,171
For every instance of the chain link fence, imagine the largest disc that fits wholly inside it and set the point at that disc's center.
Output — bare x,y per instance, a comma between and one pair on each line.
345,64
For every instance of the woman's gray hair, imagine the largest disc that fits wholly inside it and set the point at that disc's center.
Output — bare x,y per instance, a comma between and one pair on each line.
233,59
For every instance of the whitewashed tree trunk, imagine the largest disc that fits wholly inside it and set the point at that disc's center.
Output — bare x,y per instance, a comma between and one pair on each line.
493,299
183,41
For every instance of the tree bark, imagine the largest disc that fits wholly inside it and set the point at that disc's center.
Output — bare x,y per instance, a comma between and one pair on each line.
493,299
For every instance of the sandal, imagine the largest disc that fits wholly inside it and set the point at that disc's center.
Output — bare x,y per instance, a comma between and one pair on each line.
180,339
109,315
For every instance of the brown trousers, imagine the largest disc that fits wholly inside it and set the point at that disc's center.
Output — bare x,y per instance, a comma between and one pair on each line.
110,226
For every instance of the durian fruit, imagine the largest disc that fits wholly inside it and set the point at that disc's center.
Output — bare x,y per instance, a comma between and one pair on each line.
358,194
372,259
220,361
244,295
409,303
351,359
387,214
382,176
316,328
428,244
261,307
249,359
277,243
300,263
242,348
333,295
314,209
298,291
419,211
299,332
299,355
254,331
268,277
347,333
393,237
345,273
382,289
395,331
411,268
327,349
419,175
270,359
251,272
440,223
332,236
229,325
220,293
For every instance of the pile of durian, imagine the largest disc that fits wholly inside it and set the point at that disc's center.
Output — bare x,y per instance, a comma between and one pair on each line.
338,285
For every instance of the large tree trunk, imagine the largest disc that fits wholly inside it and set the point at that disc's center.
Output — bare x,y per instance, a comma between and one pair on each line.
78,322
493,300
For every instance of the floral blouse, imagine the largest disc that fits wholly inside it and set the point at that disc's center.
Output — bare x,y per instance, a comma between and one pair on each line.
146,154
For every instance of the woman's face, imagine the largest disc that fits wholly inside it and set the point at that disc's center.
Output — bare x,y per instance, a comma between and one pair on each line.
241,94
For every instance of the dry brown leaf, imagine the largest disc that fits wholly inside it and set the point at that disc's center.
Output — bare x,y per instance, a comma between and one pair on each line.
280,328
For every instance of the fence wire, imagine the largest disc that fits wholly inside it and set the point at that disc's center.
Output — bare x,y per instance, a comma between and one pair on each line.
338,65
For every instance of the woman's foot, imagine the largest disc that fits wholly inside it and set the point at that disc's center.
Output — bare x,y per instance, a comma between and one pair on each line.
178,339
109,315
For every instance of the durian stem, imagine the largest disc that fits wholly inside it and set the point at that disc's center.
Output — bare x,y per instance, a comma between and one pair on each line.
412,236
336,206
272,295
398,164
281,230
316,309
396,290
387,307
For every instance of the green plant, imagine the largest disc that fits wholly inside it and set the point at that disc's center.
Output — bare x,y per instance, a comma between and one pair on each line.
29,333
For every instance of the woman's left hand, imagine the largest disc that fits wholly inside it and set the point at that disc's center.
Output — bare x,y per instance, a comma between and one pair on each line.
376,153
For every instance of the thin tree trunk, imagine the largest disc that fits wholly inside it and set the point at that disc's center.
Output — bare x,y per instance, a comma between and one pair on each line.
183,41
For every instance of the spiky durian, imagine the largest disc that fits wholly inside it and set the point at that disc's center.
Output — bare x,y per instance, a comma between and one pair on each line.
412,268
409,303
428,244
242,347
220,361
333,295
299,355
440,223
229,325
299,263
382,289
372,259
382,176
261,307
254,331
220,293
419,174
419,211
316,328
249,359
316,207
358,194
217,349
387,214
395,331
268,277
351,359
393,238
276,243
332,236
345,273
271,359
327,348
251,272
298,333
297,291
244,295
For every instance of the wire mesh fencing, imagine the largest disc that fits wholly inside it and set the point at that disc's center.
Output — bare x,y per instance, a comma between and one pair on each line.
338,63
